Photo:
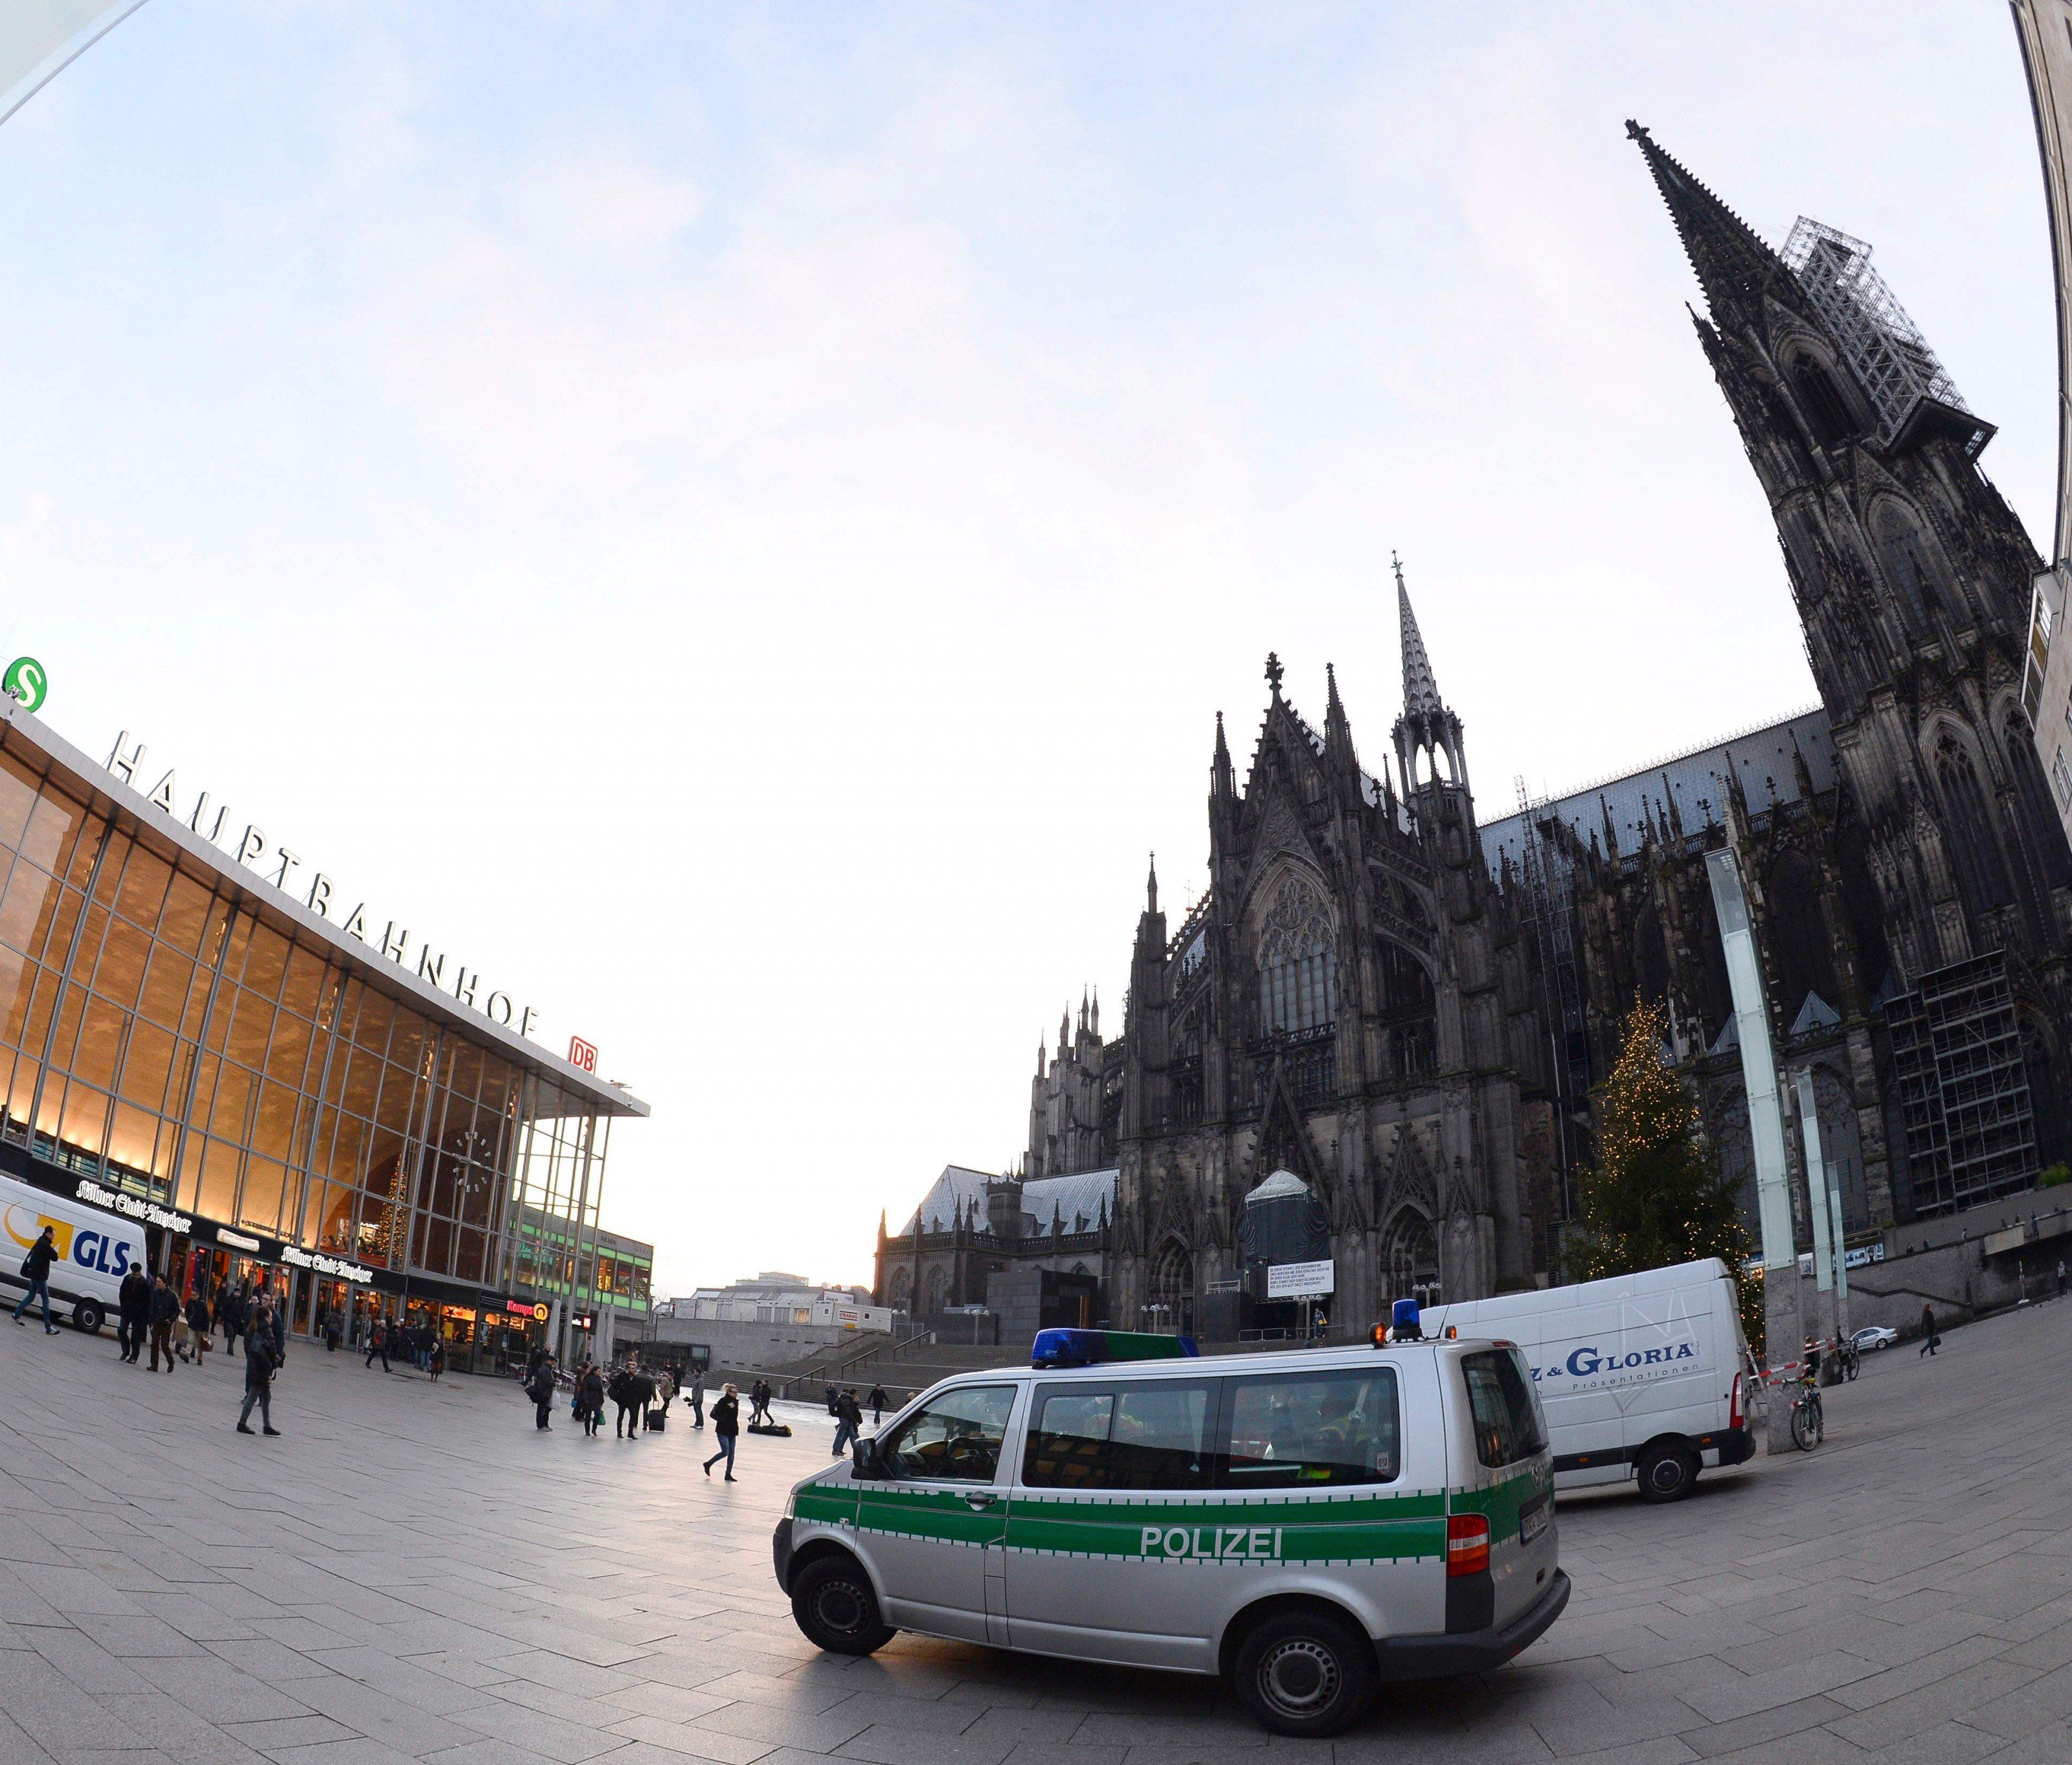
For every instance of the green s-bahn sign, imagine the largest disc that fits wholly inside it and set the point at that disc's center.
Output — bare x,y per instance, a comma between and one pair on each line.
26,680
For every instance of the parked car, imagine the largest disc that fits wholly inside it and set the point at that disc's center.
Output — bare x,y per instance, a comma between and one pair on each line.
1874,1336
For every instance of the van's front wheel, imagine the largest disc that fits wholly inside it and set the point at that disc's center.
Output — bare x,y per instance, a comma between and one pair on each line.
1305,1673
836,1608
1668,1473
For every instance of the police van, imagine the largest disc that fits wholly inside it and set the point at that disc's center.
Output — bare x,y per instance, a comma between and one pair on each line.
94,1250
1305,1524
1641,1376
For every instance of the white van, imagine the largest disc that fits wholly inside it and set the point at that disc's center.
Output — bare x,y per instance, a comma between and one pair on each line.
1305,1524
1641,1376
95,1249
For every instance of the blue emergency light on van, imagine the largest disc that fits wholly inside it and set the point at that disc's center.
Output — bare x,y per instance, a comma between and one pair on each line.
1064,1347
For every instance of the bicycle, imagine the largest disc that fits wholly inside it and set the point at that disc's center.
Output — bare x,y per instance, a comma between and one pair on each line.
1809,1421
1851,1358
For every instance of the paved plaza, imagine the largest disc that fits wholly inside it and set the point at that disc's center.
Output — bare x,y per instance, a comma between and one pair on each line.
412,1574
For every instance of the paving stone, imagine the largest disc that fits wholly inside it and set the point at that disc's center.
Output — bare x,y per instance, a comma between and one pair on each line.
352,1594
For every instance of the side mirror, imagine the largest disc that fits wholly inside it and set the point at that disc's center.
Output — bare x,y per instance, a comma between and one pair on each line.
869,1461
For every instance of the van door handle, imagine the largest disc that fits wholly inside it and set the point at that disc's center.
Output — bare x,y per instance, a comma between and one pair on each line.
979,1499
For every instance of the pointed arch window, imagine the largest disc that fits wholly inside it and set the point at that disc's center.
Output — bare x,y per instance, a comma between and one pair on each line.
1410,1260
1904,554
1974,851
1298,967
1827,412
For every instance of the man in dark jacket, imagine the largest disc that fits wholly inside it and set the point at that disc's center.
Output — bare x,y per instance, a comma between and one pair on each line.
878,1402
849,1422
539,1388
133,1301
377,1343
165,1307
259,1364
36,1271
230,1316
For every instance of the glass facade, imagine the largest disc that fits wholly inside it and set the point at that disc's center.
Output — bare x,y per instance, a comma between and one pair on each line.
166,1030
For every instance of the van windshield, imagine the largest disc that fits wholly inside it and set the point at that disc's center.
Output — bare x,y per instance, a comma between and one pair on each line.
1506,1415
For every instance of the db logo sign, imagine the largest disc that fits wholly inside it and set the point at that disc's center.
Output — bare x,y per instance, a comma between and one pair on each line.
582,1055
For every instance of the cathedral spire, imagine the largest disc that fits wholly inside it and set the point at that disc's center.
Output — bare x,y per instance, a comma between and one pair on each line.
1151,883
1420,691
1094,1021
1223,779
1734,265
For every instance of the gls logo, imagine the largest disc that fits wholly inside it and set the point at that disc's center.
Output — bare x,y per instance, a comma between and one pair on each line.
1585,1361
84,1246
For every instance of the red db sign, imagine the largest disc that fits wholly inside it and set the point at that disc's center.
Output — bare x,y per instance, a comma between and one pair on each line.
582,1055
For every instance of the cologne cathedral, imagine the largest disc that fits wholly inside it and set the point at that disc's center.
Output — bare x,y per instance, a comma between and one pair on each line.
1374,1038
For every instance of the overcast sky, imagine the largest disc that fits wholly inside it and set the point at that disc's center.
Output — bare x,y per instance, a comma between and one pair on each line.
737,520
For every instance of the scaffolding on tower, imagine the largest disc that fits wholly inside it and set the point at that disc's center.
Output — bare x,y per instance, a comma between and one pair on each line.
1887,354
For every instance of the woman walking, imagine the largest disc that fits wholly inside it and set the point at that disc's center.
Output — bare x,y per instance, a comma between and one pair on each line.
589,1399
726,1426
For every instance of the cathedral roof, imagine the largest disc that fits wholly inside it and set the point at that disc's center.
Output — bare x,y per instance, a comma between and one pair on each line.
1761,759
1084,1196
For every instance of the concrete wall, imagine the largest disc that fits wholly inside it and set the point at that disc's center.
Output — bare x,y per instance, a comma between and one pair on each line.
1970,1263
754,1345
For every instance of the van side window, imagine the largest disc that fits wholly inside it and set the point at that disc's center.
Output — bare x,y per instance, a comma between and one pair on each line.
957,1438
1151,1436
1507,1420
1301,1432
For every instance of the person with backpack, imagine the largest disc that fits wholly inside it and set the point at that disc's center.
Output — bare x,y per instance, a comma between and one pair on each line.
260,1361
197,1334
377,1343
36,1271
726,1429
539,1388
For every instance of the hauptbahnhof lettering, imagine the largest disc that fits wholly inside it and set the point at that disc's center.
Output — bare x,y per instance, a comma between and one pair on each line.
184,1045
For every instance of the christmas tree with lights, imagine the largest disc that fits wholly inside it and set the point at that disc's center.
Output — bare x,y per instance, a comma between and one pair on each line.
1655,1196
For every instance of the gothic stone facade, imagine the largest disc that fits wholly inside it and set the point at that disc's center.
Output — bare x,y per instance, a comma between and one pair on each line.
1349,1003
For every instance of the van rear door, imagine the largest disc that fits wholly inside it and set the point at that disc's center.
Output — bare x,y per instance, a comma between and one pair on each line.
1510,1482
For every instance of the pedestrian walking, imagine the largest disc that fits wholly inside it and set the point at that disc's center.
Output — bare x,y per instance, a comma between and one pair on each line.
377,1343
726,1429
331,1326
696,1397
260,1365
198,1337
833,1396
878,1402
1930,1341
848,1423
2061,1278
230,1316
539,1388
589,1399
132,1306
165,1308
760,1395
36,1271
